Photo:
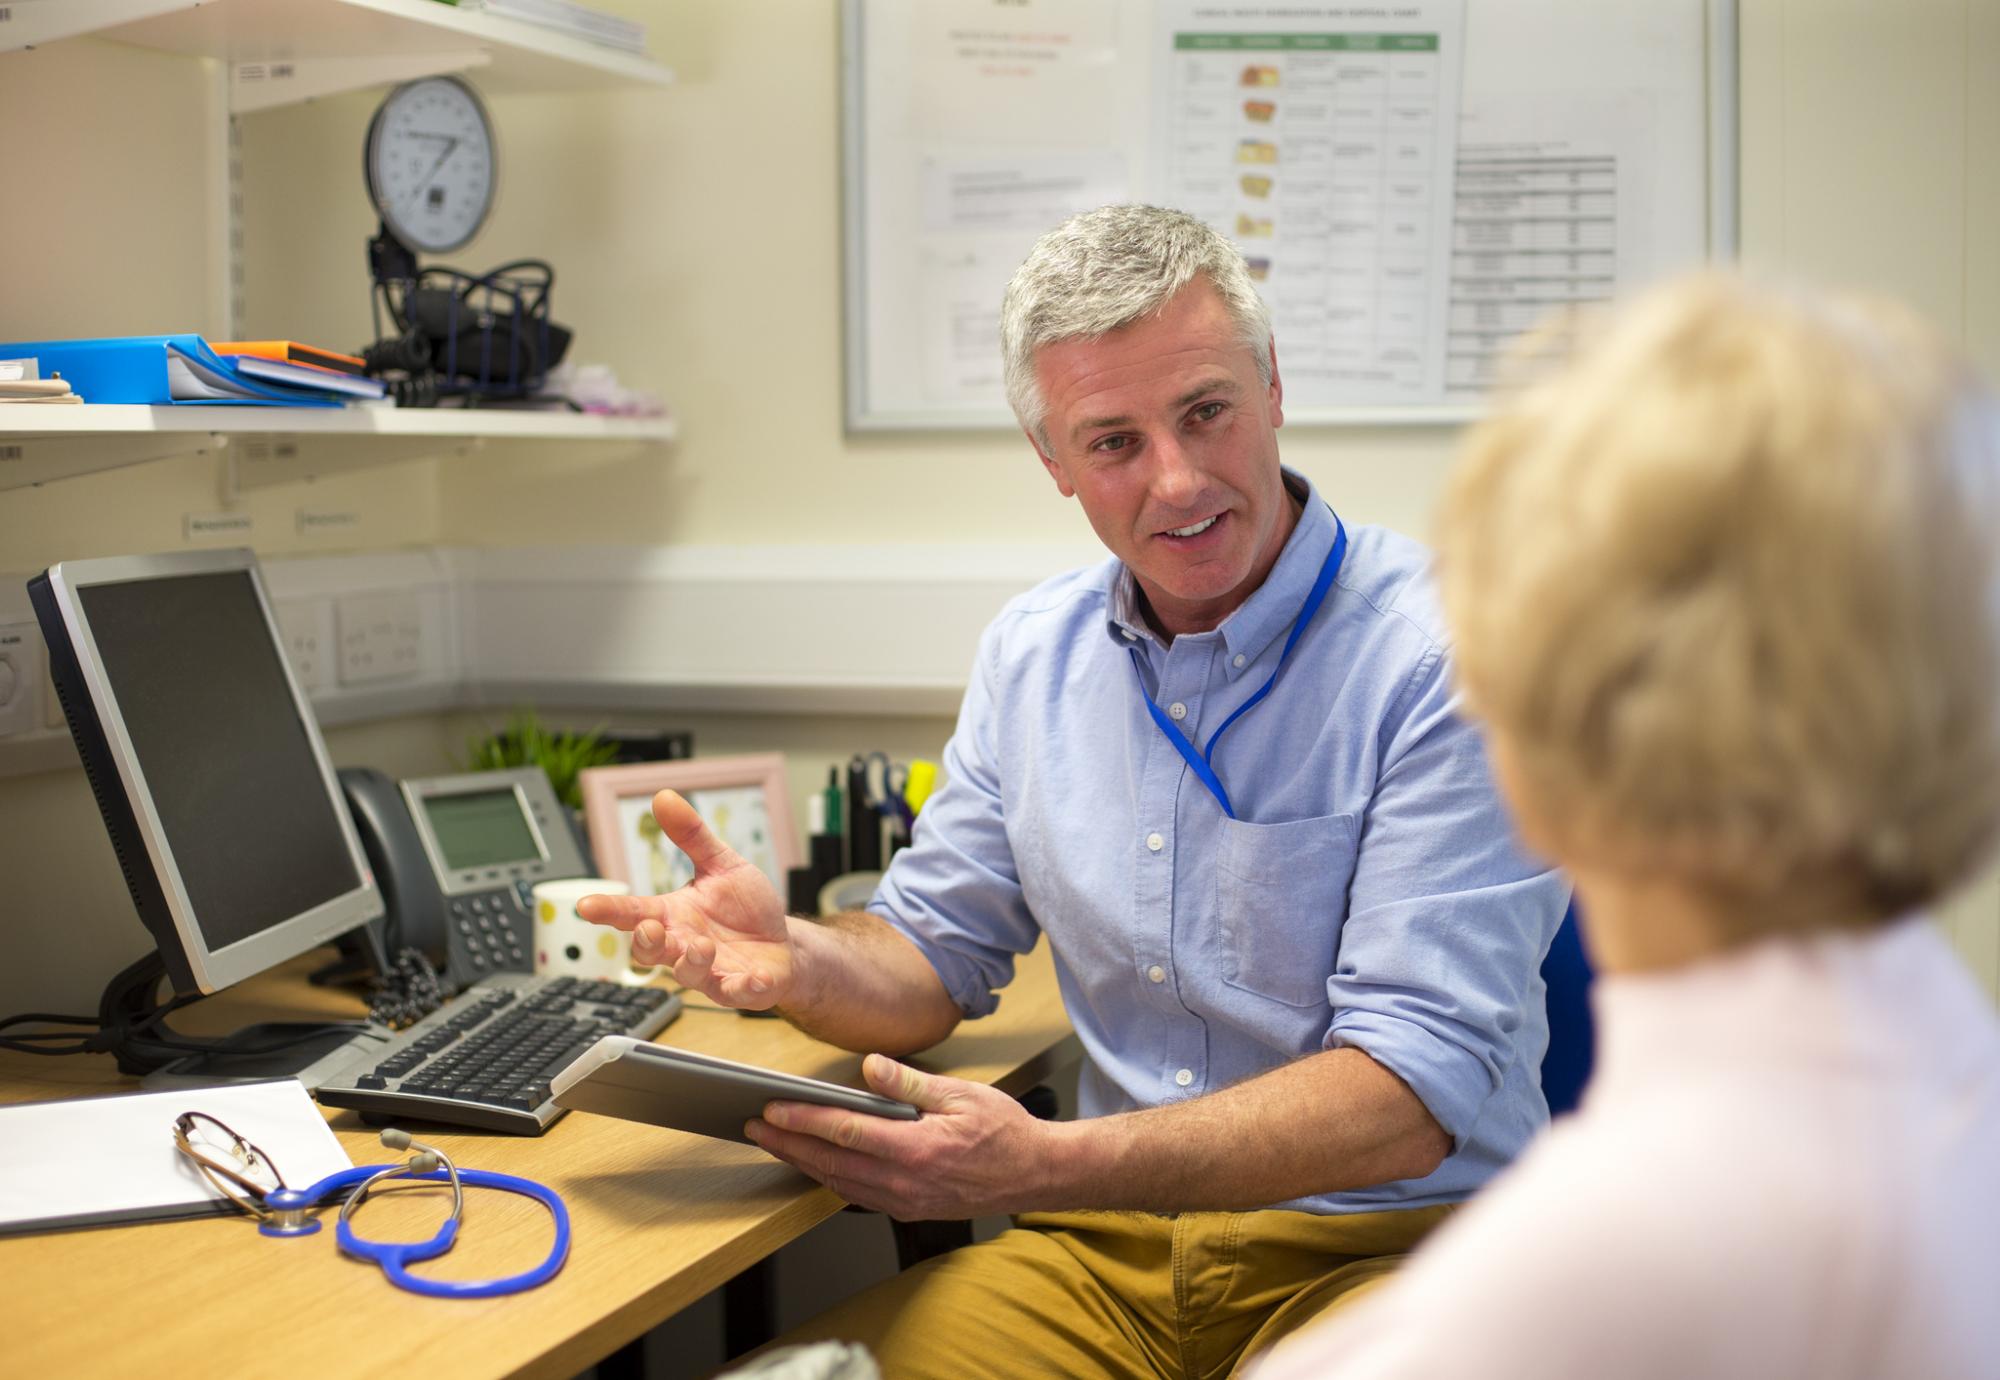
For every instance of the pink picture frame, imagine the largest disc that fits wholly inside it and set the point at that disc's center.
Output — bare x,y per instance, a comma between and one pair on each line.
744,799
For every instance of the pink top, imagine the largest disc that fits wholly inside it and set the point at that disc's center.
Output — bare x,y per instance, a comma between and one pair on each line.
1787,1164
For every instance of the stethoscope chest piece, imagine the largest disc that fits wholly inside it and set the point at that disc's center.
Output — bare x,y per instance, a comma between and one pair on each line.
287,1221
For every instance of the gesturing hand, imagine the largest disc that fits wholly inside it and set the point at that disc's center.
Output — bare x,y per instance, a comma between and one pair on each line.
724,934
974,1152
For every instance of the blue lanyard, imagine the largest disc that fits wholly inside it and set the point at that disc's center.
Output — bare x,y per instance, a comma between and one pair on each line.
1202,762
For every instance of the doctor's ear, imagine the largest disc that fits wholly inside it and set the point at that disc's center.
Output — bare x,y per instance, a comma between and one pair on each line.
1055,469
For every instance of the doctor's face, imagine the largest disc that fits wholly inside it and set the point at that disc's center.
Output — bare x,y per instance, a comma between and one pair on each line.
1163,431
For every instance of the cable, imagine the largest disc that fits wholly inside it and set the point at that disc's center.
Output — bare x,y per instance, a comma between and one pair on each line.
409,990
101,1041
145,1036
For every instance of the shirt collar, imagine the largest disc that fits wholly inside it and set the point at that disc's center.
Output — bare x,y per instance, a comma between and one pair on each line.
1272,606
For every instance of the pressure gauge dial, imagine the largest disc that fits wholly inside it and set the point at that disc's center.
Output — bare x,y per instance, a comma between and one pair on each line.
430,163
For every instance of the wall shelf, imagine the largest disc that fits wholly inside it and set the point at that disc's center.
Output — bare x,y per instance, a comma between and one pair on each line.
269,445
282,51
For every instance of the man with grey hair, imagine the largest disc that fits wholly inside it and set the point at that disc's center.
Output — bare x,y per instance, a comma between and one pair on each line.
1221,773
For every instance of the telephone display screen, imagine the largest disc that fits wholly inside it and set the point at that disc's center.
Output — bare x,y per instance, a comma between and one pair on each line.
481,829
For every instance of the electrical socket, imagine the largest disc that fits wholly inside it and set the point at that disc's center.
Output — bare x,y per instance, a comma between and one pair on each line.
381,637
21,677
307,627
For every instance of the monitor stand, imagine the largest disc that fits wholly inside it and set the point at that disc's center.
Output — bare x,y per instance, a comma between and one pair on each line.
131,1019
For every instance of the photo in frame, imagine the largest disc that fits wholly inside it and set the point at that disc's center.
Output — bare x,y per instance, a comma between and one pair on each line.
743,799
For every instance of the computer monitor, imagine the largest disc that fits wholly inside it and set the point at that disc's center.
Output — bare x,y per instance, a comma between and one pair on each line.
205,759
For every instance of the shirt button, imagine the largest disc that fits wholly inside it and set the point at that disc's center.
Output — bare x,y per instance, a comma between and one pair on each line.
1177,709
1157,973
1184,1077
1237,661
1155,842
1130,636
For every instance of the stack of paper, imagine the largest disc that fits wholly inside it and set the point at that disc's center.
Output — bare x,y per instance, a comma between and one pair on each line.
582,21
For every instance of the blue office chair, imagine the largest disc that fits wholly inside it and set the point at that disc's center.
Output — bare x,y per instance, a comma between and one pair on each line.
1566,1066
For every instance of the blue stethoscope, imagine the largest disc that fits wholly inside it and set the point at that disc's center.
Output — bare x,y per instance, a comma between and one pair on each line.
1202,762
290,1212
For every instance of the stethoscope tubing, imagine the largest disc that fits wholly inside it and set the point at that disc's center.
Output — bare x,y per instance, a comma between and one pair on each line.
394,1257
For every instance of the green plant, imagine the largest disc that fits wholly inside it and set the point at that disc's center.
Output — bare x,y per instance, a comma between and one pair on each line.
525,742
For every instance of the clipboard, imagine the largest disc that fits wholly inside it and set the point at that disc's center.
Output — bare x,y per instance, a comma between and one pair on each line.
99,1161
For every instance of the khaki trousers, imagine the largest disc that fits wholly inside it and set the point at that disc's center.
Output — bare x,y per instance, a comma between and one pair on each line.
1191,1296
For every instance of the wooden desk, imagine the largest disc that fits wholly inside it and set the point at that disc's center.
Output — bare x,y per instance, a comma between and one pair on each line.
658,1219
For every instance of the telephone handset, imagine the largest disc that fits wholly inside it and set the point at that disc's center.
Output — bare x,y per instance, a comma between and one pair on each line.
457,859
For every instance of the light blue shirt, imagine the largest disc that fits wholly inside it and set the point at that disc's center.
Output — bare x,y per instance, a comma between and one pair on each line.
1368,894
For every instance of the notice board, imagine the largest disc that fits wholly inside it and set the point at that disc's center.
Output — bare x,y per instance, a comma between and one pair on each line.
1412,183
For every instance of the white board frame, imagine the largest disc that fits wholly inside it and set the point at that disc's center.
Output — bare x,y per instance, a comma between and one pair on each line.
1721,105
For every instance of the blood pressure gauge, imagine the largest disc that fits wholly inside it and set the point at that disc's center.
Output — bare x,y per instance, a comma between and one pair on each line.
430,163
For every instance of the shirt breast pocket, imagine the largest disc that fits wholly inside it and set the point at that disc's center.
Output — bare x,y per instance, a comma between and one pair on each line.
1281,897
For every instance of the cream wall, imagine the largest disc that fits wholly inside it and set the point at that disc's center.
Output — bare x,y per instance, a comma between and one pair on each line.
694,230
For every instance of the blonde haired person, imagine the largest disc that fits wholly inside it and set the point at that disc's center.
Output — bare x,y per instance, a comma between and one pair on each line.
1724,596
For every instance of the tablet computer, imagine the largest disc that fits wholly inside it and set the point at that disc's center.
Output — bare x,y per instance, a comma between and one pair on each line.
637,1081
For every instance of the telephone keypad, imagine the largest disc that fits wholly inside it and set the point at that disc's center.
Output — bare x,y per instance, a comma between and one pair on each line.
492,931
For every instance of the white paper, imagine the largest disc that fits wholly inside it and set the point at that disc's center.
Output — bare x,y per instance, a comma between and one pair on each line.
1013,77
1321,139
1575,180
111,1159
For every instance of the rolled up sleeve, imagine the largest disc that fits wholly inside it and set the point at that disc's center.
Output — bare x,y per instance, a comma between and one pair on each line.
1437,977
955,891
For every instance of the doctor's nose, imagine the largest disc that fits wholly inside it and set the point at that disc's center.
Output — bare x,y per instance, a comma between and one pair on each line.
1177,479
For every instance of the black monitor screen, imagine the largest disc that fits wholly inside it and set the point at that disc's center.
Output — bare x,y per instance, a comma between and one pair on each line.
481,829
228,761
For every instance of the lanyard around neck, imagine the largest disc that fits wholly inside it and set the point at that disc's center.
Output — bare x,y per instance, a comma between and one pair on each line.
1202,762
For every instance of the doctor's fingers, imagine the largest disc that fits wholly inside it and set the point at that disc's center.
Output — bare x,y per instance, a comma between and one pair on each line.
691,834
621,912
861,1178
877,1137
655,945
691,956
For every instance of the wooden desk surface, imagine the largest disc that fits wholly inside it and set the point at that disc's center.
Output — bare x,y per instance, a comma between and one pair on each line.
658,1219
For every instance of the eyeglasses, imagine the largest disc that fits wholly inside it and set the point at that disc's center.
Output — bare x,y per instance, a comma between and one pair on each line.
237,1169
241,1172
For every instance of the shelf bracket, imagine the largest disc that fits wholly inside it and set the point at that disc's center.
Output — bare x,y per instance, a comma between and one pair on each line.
261,461
286,81
30,460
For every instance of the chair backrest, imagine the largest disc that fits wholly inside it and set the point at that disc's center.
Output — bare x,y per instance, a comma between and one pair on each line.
1566,1066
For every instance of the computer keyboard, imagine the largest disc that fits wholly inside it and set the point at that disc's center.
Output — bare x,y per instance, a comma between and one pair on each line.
484,1059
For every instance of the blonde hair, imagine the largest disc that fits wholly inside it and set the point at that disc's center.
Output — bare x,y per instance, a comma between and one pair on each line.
1102,270
1724,581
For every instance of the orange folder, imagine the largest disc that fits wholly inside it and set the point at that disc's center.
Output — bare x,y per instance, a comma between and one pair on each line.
293,353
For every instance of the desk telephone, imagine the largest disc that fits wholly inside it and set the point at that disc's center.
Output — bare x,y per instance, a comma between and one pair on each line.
457,859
